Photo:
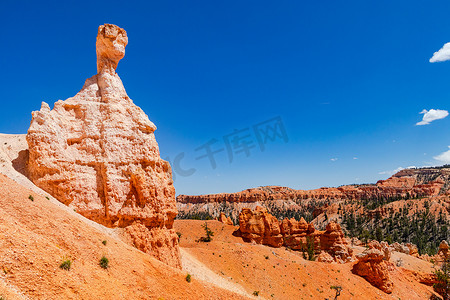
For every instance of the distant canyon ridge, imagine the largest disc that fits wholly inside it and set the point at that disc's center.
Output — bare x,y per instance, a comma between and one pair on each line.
406,184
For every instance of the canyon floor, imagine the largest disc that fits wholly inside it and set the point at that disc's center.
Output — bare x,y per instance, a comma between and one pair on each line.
38,233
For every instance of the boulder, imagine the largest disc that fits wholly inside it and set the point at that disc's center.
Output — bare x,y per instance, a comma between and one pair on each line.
297,235
443,248
224,219
383,247
325,257
400,248
413,250
372,266
96,152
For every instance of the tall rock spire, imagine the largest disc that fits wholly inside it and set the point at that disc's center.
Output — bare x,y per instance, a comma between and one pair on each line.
96,152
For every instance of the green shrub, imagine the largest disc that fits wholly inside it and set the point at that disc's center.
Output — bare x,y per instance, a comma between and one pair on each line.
66,264
188,278
31,198
310,249
256,293
104,242
104,262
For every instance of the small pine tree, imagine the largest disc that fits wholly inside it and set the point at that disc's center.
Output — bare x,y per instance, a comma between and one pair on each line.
209,234
310,248
337,289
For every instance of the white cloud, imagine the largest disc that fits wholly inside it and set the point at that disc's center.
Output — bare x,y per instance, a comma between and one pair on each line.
391,172
442,55
334,159
432,115
355,158
443,157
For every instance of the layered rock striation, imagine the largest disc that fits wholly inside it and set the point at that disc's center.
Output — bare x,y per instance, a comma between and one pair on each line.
97,152
406,183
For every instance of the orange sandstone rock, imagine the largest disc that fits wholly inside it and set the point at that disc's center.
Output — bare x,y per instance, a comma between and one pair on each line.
383,247
443,248
413,250
263,228
333,242
296,234
223,218
259,227
372,266
96,152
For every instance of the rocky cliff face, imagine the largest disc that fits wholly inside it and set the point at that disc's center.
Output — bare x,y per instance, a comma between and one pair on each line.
96,152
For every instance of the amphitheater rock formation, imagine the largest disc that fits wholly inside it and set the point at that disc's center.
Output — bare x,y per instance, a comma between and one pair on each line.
406,184
409,182
96,152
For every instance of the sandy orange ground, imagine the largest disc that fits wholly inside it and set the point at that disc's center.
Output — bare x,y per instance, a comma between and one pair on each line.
278,273
35,237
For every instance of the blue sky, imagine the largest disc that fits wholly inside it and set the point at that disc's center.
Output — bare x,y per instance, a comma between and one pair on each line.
347,81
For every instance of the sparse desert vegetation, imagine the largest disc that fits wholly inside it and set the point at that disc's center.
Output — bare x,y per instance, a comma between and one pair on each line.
66,264
104,262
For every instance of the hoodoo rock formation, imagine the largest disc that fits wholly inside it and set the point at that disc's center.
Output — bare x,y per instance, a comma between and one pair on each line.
261,227
333,242
96,152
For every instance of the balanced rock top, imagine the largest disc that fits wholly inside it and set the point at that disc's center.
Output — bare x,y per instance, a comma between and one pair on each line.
111,43
96,152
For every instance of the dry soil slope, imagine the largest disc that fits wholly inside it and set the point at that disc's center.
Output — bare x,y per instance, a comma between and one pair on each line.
278,273
36,236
